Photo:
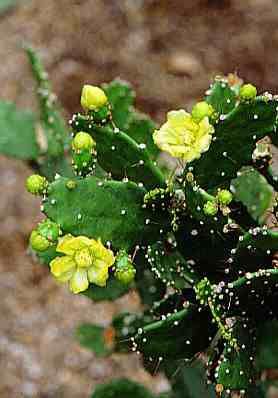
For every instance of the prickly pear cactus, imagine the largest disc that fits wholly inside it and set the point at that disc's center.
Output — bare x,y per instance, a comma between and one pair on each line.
200,244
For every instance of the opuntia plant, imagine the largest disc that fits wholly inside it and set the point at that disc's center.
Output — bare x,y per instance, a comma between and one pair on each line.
199,242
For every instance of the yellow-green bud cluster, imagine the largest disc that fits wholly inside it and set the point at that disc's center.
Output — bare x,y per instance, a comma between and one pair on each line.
125,270
36,184
201,110
211,208
83,146
222,200
203,290
49,230
224,197
45,235
82,141
247,92
38,242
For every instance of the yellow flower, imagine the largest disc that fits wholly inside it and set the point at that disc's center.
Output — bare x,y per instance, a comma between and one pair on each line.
85,260
183,137
92,98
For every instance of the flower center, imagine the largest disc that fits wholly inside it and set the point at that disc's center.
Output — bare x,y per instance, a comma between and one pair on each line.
83,258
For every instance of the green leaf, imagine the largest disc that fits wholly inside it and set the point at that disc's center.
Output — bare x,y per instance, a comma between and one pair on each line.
121,388
254,192
109,210
92,337
222,97
113,290
17,132
234,141
267,346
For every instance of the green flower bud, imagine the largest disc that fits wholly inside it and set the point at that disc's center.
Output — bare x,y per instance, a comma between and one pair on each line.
92,98
82,141
210,208
38,242
126,275
49,230
201,110
125,270
36,184
224,197
248,92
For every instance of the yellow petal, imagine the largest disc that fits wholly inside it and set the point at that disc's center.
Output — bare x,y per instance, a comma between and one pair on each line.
100,252
92,97
61,265
182,137
79,281
69,244
98,275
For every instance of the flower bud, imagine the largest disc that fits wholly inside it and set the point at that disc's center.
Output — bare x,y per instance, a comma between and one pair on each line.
36,184
92,98
210,208
203,290
224,197
38,242
82,141
125,270
248,92
49,230
201,110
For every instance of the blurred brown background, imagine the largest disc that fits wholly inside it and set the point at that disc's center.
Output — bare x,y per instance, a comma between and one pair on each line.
169,51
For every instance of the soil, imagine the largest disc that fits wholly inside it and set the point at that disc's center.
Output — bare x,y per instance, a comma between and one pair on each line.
169,51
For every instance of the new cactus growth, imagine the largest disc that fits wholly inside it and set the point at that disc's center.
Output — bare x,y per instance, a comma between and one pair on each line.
200,245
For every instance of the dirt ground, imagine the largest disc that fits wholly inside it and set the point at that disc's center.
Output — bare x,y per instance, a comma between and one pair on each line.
168,50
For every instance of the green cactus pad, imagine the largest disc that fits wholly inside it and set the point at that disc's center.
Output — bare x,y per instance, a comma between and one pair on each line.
254,192
93,337
51,120
121,388
170,267
222,96
236,369
120,155
121,97
267,346
234,141
109,210
17,132
137,125
113,290
181,334
189,380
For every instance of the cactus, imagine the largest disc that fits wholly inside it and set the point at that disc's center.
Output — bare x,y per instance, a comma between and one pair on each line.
200,245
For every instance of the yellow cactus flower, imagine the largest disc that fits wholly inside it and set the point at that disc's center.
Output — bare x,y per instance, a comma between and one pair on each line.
183,137
92,98
85,260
